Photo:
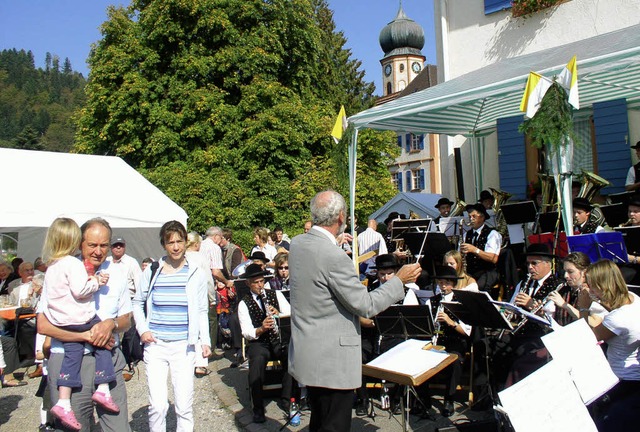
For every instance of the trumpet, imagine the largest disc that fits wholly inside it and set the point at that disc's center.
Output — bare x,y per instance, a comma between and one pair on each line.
275,330
542,304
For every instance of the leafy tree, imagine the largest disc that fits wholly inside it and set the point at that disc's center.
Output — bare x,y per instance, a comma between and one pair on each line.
227,105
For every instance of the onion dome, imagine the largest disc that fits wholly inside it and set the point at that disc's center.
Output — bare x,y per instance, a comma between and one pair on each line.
402,36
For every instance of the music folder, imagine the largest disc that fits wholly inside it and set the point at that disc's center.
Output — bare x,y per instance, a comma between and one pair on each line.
607,245
549,222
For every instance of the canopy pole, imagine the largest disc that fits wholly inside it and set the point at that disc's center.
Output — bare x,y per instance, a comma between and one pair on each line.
353,147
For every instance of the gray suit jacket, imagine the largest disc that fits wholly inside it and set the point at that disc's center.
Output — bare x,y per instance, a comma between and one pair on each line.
326,300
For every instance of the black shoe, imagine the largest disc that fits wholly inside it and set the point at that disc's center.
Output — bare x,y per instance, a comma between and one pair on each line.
285,405
362,407
448,409
237,360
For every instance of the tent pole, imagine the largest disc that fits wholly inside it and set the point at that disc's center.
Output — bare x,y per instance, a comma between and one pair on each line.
352,186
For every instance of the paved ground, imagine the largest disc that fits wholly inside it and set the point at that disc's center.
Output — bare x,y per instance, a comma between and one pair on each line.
221,403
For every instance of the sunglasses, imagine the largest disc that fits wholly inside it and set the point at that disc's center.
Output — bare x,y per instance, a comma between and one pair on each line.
283,268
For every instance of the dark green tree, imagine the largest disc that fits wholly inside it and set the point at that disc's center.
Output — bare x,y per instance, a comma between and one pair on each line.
28,139
227,105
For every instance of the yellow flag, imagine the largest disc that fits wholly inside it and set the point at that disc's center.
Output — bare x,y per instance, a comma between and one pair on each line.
340,126
536,88
568,79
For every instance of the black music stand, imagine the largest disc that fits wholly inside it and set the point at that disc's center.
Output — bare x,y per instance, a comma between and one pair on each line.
621,198
614,214
519,213
607,245
549,222
429,247
479,311
406,322
401,226
631,237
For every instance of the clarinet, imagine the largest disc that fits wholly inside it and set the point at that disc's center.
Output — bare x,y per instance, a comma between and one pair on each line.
436,325
267,309
510,315
542,304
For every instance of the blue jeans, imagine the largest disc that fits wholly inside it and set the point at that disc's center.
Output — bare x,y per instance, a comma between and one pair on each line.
73,353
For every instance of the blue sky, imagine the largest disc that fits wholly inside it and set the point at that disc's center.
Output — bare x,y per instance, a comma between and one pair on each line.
67,28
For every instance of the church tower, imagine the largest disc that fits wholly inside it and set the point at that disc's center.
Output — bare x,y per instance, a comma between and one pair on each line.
401,41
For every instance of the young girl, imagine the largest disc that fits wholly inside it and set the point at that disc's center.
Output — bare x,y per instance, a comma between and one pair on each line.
69,304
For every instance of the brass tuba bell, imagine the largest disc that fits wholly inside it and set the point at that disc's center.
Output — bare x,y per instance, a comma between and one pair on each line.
458,208
591,184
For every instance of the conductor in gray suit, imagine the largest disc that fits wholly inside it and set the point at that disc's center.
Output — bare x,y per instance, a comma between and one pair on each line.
326,300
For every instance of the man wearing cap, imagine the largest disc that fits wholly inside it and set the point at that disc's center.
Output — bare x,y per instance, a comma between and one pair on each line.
127,264
260,330
526,347
482,248
583,223
633,176
444,207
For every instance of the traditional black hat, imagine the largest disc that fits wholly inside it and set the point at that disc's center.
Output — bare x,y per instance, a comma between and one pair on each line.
392,216
446,272
582,204
634,200
637,146
260,256
485,194
386,261
479,208
254,270
444,201
539,249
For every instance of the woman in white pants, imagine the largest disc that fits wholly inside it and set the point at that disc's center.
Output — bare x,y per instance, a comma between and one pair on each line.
171,312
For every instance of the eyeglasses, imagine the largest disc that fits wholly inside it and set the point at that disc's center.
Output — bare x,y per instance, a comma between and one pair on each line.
283,268
118,245
534,263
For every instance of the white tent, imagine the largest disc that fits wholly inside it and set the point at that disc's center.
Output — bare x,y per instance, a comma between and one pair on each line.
41,186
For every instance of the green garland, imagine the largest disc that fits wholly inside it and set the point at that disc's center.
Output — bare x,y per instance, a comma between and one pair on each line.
553,121
528,7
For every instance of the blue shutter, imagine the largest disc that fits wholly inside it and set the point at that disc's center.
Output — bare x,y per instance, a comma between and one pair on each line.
511,157
408,176
491,6
612,132
422,137
400,141
421,178
407,142
399,179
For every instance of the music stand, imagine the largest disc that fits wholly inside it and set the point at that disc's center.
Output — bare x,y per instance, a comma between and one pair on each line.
614,214
621,197
401,226
519,213
428,247
406,322
549,221
607,245
562,248
631,237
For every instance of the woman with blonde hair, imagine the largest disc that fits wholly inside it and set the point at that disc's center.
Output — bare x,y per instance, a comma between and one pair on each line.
453,259
620,329
261,239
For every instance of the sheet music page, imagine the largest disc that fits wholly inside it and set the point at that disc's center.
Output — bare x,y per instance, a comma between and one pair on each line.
547,400
521,312
576,348
409,358
516,233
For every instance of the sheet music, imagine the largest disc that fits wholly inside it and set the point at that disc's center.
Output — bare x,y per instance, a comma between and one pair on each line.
547,400
450,226
409,358
516,233
576,348
522,312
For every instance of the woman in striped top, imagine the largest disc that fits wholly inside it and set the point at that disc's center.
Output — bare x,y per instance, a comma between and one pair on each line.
171,314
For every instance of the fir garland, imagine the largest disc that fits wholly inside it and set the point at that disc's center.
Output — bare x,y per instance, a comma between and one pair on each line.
553,122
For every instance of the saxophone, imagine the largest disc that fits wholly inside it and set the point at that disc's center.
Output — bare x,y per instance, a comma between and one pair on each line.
275,330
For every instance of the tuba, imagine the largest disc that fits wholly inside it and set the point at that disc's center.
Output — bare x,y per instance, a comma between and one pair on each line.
591,184
549,193
458,208
499,198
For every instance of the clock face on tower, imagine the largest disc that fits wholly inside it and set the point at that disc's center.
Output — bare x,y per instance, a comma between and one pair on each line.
387,70
416,67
